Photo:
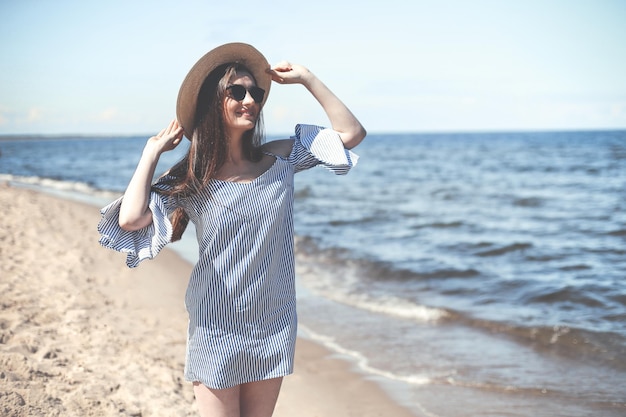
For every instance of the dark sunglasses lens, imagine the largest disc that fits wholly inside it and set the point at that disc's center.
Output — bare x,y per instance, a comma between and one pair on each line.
257,94
238,92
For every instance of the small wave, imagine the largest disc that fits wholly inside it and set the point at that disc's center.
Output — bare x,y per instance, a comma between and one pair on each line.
576,267
440,225
566,294
546,257
446,194
393,306
577,343
528,202
619,298
505,249
508,389
601,347
341,260
360,360
449,273
303,193
359,221
620,232
77,187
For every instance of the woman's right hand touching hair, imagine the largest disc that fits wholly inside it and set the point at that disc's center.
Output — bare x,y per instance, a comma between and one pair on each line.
134,211
168,138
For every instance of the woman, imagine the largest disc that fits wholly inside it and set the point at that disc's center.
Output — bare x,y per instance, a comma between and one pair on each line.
239,195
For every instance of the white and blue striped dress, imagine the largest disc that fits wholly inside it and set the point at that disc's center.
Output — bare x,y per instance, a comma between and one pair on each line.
241,293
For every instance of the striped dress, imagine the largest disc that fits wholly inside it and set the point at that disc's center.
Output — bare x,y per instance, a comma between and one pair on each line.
241,293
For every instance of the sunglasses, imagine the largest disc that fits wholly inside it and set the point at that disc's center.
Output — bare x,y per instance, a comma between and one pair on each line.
238,92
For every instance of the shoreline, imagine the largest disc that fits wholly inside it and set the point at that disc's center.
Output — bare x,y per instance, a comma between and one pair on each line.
82,334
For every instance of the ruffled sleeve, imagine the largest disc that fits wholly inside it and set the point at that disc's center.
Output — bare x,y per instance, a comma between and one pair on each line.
315,145
141,244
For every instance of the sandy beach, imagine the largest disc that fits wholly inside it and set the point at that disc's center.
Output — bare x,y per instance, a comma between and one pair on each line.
83,335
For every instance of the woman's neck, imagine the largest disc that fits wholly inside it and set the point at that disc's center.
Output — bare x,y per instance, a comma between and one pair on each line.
235,149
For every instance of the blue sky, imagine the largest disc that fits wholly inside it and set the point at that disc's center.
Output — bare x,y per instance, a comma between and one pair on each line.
114,67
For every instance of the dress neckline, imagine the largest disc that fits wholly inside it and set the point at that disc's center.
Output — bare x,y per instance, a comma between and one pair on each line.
254,180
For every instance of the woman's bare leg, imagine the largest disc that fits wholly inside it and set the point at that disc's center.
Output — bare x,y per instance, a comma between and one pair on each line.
217,402
258,399
253,399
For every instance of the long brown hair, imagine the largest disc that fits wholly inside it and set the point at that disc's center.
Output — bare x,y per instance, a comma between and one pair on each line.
209,144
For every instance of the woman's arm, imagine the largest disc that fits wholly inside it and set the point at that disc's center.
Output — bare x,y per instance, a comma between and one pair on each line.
134,211
341,118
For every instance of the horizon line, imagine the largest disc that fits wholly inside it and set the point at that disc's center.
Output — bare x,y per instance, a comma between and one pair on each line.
8,136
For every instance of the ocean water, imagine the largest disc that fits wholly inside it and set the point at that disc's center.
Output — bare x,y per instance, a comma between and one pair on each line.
469,274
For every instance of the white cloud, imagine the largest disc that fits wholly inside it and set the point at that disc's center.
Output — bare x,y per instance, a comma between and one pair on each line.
107,115
34,114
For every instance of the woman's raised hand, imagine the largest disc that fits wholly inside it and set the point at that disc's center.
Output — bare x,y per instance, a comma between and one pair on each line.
287,73
341,118
168,138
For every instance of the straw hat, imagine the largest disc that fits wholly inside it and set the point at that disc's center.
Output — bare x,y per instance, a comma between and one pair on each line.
236,52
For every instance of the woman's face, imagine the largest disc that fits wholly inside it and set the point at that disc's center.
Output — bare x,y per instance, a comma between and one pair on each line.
240,115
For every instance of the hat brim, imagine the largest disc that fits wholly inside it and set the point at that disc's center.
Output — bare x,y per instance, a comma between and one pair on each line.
236,52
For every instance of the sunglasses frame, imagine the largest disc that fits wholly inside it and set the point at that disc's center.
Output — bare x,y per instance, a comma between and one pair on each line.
238,92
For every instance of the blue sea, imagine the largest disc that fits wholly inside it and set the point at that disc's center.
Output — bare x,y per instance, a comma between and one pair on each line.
470,274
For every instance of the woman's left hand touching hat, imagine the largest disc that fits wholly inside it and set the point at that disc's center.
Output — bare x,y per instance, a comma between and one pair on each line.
287,73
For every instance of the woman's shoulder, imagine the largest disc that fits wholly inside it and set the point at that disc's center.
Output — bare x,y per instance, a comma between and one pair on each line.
280,147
